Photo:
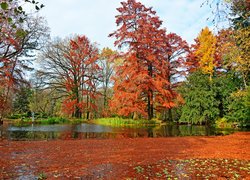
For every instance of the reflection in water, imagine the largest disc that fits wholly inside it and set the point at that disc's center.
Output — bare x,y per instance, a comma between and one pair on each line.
86,131
186,130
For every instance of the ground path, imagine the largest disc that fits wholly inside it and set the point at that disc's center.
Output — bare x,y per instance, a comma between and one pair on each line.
115,158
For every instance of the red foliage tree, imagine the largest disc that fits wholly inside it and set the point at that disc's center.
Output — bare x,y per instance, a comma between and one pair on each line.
10,46
192,61
140,82
19,33
80,77
174,58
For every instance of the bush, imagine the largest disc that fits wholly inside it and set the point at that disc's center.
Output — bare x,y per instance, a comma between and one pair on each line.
54,120
18,116
225,123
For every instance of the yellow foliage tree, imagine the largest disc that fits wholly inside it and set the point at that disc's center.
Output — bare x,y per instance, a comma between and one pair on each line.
206,51
242,39
234,47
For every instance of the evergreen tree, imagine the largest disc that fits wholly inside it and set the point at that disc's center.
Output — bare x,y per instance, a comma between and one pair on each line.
22,100
200,105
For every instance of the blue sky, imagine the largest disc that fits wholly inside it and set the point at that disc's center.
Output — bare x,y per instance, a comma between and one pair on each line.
96,18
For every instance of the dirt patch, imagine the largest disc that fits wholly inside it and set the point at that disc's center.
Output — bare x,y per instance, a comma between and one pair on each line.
142,158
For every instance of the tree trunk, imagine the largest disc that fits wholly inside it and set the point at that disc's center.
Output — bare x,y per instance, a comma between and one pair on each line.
78,113
87,113
1,120
150,94
135,116
105,99
170,115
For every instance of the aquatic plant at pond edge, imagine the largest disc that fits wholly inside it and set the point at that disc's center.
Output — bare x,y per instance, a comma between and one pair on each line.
125,122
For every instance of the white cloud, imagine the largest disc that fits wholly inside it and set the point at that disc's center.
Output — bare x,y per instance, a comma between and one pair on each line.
96,18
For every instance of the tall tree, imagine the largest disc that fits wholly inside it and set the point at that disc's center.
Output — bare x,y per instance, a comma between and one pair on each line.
22,100
206,52
19,35
200,105
176,52
142,76
106,57
70,67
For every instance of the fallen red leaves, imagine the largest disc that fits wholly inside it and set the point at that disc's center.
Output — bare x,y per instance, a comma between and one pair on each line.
118,158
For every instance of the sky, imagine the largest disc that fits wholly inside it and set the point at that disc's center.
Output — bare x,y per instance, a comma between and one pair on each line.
96,18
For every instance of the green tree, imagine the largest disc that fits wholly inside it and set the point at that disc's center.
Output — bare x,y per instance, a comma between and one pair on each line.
206,101
22,100
223,86
239,107
200,105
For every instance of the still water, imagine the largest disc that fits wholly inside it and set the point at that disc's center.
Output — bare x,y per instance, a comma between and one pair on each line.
87,131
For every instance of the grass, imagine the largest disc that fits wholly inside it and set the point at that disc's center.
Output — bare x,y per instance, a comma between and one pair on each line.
53,120
125,122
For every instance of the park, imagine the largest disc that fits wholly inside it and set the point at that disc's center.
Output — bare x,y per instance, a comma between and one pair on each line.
133,90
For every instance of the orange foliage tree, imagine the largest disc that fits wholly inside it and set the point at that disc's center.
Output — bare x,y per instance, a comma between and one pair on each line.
141,83
175,56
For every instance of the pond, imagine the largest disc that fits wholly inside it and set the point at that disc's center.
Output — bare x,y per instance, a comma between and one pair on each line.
87,131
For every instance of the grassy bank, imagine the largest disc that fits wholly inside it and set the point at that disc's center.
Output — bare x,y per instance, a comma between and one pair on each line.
125,122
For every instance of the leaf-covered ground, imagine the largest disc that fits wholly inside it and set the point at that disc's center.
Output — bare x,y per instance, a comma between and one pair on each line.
194,169
221,157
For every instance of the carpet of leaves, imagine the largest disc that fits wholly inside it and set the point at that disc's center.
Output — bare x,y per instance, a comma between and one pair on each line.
216,157
194,169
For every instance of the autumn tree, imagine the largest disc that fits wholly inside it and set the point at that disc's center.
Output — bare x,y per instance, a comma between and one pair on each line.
222,95
242,39
106,61
44,101
176,52
19,35
237,13
70,67
206,52
142,76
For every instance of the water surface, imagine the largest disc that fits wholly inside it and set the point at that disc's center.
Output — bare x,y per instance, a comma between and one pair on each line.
86,131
